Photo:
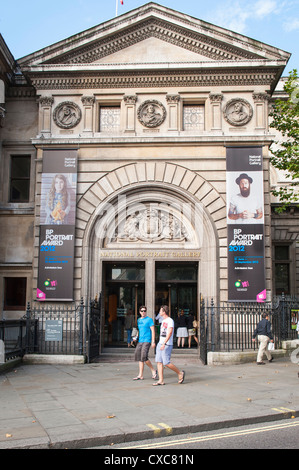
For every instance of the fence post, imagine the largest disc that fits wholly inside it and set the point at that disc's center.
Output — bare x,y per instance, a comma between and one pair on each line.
202,332
81,314
284,327
212,325
2,352
28,316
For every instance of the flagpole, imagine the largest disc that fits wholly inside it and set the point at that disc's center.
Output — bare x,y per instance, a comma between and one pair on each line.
116,7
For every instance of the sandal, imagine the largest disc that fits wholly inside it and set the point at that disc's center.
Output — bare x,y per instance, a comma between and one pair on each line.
183,377
138,378
155,375
158,383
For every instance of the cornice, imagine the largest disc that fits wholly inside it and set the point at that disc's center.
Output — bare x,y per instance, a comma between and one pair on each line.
157,78
80,142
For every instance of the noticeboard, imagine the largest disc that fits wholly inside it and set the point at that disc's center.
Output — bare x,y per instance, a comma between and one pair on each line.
53,330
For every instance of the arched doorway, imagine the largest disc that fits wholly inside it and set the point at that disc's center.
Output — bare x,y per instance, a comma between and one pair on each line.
149,222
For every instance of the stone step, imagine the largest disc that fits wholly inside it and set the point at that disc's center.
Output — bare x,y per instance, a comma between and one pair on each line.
110,354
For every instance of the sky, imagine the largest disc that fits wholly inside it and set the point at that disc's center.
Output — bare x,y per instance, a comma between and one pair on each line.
32,25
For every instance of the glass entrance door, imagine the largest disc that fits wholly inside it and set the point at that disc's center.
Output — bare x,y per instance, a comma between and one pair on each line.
178,297
176,287
123,294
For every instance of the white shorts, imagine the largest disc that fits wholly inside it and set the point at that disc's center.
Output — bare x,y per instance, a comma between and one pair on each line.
164,354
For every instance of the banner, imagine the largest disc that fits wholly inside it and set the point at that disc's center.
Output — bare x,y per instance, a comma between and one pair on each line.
57,225
245,224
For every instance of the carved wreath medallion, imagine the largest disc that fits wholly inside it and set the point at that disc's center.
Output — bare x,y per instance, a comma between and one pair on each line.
67,115
151,113
238,112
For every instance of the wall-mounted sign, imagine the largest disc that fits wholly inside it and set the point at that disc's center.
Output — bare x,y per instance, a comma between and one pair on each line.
245,224
53,330
57,225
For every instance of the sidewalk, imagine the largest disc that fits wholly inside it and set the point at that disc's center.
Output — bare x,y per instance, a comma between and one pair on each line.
77,406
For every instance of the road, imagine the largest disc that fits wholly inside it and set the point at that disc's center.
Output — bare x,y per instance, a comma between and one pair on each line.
282,434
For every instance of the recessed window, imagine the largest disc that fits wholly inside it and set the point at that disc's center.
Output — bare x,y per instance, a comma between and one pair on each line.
15,293
110,119
282,269
193,117
20,178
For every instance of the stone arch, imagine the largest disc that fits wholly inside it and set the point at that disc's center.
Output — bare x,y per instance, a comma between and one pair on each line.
176,179
150,172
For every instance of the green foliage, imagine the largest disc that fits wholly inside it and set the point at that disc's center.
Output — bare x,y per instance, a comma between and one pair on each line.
286,120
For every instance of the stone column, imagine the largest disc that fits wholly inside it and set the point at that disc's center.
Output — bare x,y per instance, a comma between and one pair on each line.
45,114
173,112
130,112
216,118
261,110
88,103
150,282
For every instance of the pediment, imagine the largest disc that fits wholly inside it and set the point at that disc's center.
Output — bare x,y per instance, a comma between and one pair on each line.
153,33
151,51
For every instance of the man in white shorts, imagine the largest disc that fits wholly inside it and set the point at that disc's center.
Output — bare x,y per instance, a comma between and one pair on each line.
164,348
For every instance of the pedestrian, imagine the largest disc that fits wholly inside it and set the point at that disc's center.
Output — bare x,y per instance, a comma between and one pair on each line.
264,335
146,340
164,348
192,329
182,331
297,328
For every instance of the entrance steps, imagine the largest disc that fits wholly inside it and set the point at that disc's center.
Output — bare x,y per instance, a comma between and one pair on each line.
124,354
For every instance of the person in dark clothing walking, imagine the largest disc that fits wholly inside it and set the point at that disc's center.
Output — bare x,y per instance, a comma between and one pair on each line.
264,335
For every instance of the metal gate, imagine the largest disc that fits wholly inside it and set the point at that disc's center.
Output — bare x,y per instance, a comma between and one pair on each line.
93,330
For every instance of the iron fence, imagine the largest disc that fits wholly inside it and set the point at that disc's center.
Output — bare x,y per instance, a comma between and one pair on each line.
18,336
230,327
73,329
59,328
76,329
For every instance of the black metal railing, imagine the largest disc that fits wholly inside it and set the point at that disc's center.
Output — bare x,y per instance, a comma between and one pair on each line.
76,329
18,337
230,327
59,329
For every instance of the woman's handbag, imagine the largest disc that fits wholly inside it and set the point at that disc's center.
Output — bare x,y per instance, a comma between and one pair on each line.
134,337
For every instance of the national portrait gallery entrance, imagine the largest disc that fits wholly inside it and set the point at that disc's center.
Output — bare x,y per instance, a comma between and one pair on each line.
127,285
151,247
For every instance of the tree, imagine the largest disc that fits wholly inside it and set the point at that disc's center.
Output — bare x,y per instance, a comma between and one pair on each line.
285,152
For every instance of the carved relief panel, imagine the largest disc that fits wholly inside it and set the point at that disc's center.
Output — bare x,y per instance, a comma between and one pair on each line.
238,112
67,115
151,113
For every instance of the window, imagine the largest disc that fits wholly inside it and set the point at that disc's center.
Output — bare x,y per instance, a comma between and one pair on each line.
110,119
15,293
282,269
19,178
193,117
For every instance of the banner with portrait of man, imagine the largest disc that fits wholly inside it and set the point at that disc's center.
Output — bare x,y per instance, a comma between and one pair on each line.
245,224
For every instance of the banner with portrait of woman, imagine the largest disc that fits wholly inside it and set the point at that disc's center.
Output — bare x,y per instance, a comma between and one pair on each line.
57,225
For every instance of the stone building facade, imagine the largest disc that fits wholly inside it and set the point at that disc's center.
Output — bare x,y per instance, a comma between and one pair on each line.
148,102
